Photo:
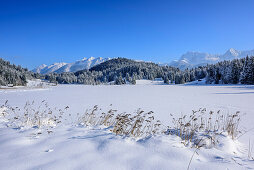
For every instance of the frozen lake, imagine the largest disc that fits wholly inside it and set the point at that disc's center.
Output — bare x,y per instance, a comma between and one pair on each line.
85,154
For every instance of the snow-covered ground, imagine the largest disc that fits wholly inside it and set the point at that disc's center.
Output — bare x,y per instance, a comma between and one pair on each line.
72,146
31,84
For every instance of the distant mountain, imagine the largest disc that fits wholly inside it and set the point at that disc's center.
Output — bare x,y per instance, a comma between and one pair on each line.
193,59
187,60
85,63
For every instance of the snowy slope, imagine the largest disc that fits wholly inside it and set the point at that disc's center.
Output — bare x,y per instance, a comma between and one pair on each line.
85,63
72,146
192,59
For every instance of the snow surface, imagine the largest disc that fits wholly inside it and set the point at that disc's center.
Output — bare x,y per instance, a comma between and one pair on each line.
31,84
72,146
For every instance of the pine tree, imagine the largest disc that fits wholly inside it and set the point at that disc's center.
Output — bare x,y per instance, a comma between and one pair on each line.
127,77
133,81
166,80
247,74
235,72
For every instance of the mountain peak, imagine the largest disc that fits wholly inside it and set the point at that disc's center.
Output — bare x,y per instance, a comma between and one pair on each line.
83,59
42,66
192,59
88,59
60,63
91,58
233,52
82,64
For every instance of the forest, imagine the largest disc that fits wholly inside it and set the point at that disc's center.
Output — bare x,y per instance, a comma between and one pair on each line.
126,71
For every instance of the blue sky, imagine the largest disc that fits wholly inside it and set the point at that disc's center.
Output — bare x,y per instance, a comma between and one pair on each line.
48,31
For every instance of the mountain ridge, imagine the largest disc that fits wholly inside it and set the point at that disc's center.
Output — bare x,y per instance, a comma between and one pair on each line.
61,67
189,59
193,58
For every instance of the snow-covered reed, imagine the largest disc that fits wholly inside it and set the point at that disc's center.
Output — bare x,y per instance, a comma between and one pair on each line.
202,128
138,125
31,115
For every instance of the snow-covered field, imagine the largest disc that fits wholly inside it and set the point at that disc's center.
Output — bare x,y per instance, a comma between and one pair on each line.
72,146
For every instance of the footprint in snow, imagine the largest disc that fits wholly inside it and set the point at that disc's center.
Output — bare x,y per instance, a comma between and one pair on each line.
49,150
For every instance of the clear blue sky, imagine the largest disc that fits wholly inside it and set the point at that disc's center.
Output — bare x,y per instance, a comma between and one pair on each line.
47,31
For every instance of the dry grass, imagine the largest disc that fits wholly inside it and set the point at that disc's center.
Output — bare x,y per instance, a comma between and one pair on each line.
250,150
202,125
140,124
198,129
31,115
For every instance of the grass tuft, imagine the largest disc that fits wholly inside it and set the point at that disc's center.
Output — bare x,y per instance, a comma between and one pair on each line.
199,129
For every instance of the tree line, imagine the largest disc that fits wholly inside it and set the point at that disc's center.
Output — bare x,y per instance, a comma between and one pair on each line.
125,71
231,72
10,74
122,71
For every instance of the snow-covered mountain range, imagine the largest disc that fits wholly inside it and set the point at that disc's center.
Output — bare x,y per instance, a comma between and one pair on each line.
187,60
85,63
192,59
